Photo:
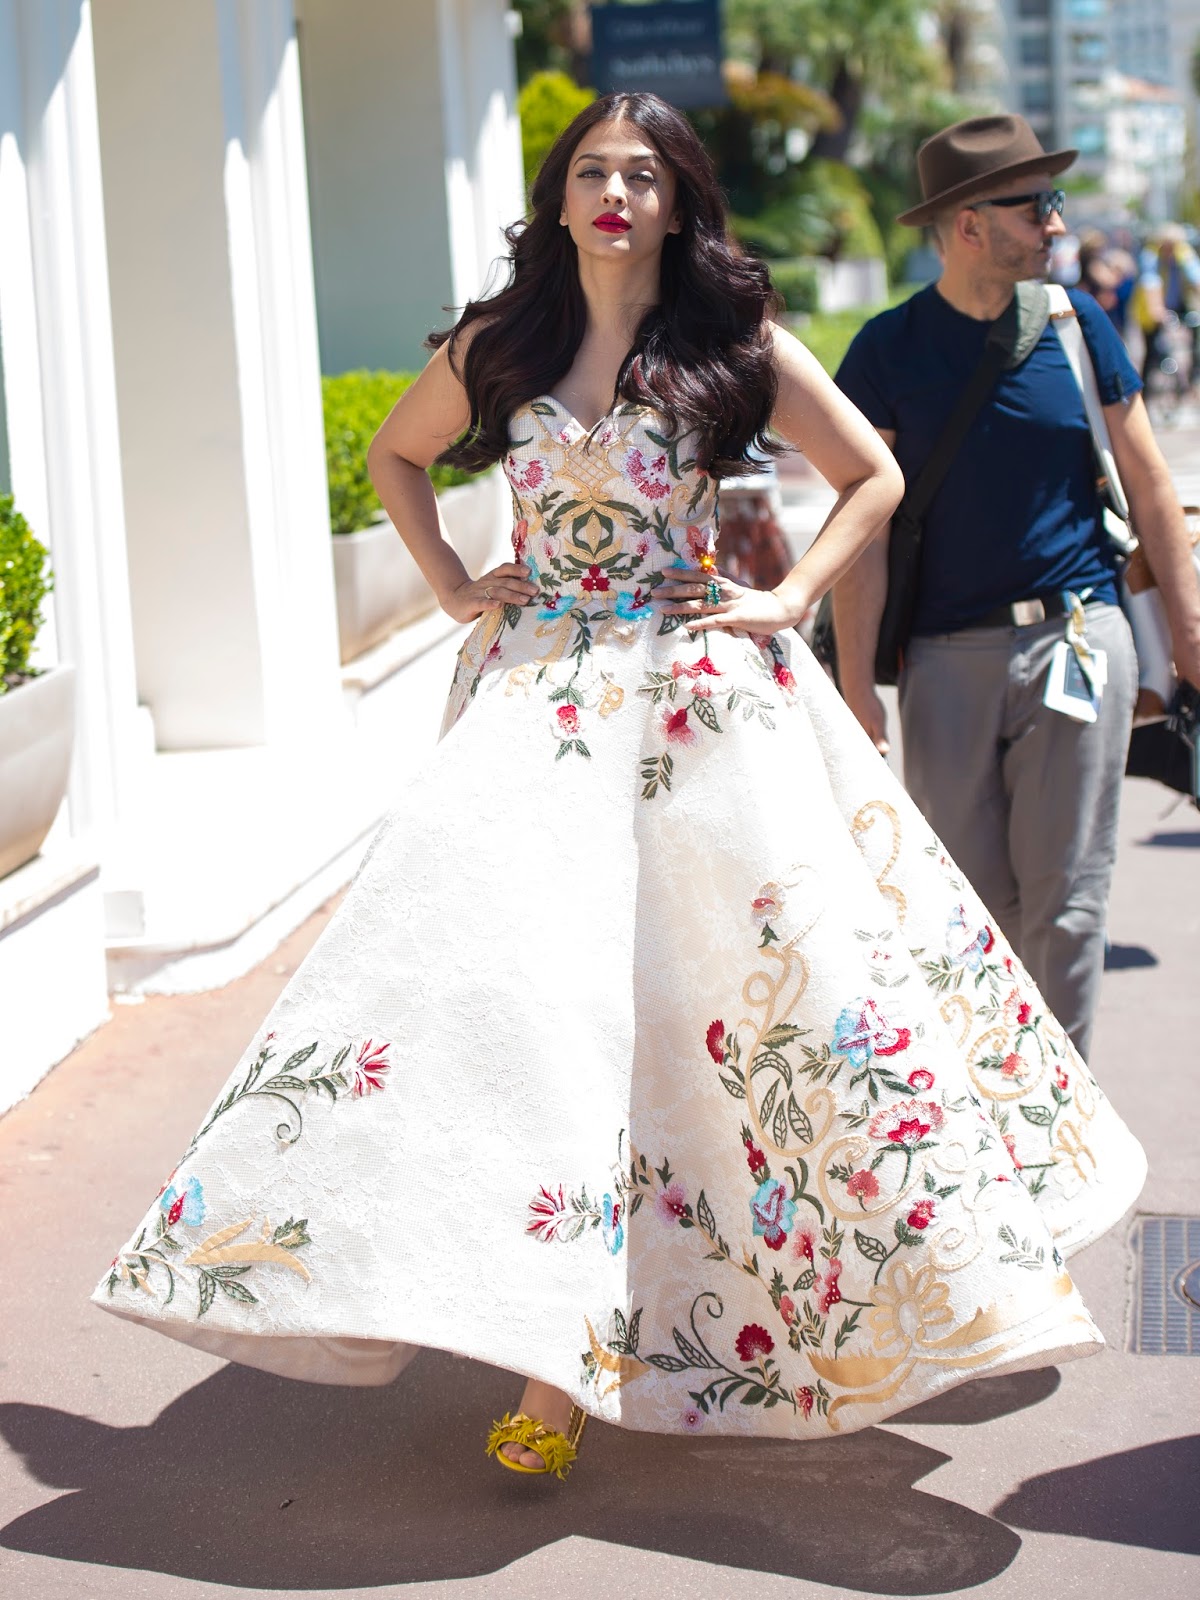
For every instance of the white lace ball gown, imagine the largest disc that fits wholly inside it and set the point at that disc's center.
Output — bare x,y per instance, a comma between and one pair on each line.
657,1050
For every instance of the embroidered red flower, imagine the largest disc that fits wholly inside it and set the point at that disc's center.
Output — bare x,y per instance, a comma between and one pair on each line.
520,534
863,1185
921,1214
784,676
804,1401
701,691
803,1244
715,1040
370,1067
596,580
545,1210
530,476
671,1204
1013,1066
1060,1078
698,541
1024,1012
755,1159
176,1211
754,1340
494,653
677,728
1010,1144
921,1080
828,1293
908,1123
568,719
787,1309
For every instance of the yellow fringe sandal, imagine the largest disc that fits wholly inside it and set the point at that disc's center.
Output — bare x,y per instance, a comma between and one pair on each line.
557,1450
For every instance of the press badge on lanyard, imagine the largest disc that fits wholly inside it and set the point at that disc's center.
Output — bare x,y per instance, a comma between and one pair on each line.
1075,682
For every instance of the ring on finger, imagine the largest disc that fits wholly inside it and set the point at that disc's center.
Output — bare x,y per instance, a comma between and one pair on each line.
488,591
712,592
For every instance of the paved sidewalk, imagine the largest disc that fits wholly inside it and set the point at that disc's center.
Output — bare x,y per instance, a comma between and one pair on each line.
135,1467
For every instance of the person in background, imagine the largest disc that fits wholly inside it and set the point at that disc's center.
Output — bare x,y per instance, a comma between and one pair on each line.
1015,559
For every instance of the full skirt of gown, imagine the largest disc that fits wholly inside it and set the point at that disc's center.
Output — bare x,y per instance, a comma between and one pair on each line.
657,1050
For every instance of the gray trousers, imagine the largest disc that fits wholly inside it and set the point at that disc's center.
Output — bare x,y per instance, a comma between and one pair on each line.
1025,799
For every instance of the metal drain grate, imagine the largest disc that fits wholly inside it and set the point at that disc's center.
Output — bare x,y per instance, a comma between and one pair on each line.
1166,1310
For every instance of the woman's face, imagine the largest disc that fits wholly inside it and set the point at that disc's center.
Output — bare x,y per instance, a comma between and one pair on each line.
620,195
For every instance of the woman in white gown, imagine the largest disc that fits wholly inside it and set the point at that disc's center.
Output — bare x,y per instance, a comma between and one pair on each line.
657,1052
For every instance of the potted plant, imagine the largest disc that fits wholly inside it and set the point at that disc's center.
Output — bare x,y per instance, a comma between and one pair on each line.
379,586
37,708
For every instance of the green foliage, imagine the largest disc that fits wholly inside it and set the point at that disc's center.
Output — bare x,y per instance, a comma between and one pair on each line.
25,581
548,103
355,403
796,284
828,335
842,198
751,138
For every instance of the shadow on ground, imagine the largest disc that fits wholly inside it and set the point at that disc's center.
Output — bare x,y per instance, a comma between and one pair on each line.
254,1482
1147,1497
1173,841
1120,957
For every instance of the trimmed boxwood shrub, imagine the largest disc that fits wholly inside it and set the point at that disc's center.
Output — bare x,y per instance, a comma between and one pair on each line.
355,403
25,581
796,284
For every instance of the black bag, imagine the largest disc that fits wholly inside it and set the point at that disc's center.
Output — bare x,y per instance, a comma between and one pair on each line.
1011,337
1169,752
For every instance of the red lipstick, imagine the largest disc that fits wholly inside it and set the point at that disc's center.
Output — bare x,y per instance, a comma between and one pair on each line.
611,223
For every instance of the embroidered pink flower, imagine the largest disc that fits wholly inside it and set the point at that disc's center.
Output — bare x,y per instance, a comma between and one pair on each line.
1060,1078
753,1340
369,1067
804,1244
828,1293
701,691
676,726
699,542
787,1309
691,1420
520,534
530,476
863,1185
1010,1144
550,548
921,1080
804,1401
671,1203
715,1040
695,669
545,1210
921,1214
765,906
568,719
494,653
648,477
1024,1013
784,676
1013,1066
862,1030
643,547
596,580
908,1123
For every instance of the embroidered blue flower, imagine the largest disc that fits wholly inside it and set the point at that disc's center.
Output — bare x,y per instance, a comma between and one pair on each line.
614,1228
184,1203
965,945
557,607
633,607
773,1212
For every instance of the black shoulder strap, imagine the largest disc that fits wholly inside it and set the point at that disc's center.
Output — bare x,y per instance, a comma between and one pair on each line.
1008,337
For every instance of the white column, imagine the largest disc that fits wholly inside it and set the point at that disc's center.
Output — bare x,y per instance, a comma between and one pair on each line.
217,371
59,381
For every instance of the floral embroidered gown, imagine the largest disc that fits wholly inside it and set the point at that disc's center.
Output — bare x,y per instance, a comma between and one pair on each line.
657,1050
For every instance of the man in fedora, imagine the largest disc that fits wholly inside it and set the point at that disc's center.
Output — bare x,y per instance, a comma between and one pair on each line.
1015,559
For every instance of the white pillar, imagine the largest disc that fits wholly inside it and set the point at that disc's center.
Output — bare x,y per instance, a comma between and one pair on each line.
217,371
58,375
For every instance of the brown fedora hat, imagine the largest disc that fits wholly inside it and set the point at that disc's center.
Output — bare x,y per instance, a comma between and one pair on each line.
968,156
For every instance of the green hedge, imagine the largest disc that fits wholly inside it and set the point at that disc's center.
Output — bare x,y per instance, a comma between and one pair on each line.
829,334
796,284
25,581
355,403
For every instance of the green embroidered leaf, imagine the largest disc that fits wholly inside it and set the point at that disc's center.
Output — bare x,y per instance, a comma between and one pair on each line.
208,1292
704,711
238,1291
512,615
704,1215
300,1057
1040,1116
782,1034
768,1104
689,1352
800,1122
805,1281
170,1287
635,1325
290,1235
779,1127
735,1087
583,749
229,1272
873,1249
667,1363
286,1080
754,1395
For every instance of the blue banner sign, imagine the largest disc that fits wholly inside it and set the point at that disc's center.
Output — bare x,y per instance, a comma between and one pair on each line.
671,49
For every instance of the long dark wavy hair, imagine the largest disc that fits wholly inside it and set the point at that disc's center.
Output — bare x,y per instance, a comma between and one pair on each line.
701,357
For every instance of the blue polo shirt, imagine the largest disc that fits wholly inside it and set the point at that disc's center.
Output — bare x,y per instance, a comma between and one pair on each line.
1018,512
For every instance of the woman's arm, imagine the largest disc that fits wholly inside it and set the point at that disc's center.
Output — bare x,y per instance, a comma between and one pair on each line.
426,418
812,413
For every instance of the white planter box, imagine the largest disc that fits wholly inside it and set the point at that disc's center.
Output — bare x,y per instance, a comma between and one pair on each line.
380,587
37,734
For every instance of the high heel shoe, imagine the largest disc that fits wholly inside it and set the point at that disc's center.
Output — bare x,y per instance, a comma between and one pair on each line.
557,1450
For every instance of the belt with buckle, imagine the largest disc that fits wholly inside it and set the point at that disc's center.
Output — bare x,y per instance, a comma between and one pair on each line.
1024,613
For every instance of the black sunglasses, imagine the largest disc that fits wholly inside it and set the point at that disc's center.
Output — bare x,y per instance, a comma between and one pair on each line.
1044,202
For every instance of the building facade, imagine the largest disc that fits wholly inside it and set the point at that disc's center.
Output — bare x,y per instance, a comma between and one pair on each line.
203,206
